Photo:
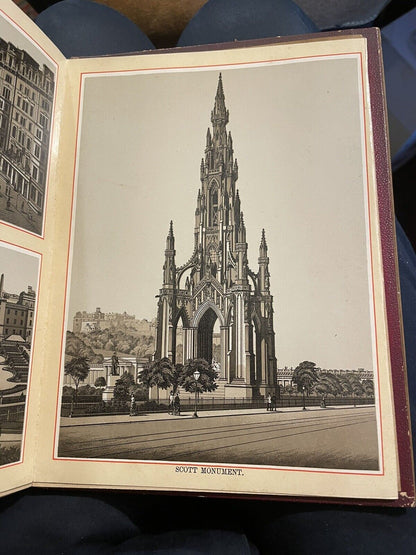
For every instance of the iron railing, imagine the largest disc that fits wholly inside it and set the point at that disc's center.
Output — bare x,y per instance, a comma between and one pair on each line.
205,402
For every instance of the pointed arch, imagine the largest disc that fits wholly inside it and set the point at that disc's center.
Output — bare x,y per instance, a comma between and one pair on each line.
178,335
213,203
201,311
256,321
182,314
253,278
260,350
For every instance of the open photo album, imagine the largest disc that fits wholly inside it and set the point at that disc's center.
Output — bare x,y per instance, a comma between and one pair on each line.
198,279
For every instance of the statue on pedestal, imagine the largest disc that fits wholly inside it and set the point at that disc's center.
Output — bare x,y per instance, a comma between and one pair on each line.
114,365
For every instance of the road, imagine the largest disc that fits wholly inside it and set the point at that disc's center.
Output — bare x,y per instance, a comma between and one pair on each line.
344,438
17,211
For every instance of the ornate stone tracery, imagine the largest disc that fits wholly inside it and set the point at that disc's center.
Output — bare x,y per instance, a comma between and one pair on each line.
220,286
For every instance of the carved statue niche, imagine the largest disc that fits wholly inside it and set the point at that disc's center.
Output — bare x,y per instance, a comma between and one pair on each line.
267,281
213,269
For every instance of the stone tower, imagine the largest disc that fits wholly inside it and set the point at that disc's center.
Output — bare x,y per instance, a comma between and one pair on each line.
216,284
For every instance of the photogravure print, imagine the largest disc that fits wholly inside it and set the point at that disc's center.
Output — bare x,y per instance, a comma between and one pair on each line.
222,322
27,89
19,271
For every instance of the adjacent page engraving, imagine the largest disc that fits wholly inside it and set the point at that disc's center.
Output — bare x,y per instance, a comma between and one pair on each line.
27,90
18,297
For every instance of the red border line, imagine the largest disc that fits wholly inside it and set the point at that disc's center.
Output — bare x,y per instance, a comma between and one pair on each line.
236,64
372,261
38,289
228,465
51,138
366,137
57,404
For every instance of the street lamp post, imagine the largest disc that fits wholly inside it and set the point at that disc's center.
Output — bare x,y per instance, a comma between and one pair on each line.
197,374
303,396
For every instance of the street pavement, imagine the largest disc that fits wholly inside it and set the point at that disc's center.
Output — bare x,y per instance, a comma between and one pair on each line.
116,419
17,211
9,439
341,437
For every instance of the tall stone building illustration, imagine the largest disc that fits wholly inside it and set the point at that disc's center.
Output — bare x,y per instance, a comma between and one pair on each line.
26,103
216,284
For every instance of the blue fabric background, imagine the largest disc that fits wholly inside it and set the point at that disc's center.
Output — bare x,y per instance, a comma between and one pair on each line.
43,521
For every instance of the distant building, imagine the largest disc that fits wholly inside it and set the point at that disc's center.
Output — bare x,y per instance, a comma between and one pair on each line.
16,313
26,101
284,375
361,373
132,365
85,322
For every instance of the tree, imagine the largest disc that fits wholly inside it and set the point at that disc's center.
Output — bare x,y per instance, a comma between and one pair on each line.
368,386
78,347
321,388
68,391
78,368
177,376
124,387
89,390
305,376
288,389
328,384
109,346
346,388
144,346
100,382
159,373
123,346
356,385
206,381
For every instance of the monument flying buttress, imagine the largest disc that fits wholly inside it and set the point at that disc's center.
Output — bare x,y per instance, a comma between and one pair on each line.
217,284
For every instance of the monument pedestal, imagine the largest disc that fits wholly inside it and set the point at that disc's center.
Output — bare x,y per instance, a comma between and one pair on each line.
238,389
108,393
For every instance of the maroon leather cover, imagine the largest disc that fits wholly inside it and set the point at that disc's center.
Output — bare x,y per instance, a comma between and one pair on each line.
406,493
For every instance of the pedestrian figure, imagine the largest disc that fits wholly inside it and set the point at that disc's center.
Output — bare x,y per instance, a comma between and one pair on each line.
269,402
132,405
177,405
273,406
171,401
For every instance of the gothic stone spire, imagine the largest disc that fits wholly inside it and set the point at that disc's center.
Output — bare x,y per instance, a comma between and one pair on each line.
219,115
216,283
169,268
263,275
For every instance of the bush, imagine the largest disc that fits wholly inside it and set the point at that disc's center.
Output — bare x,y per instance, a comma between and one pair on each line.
88,390
9,454
68,390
